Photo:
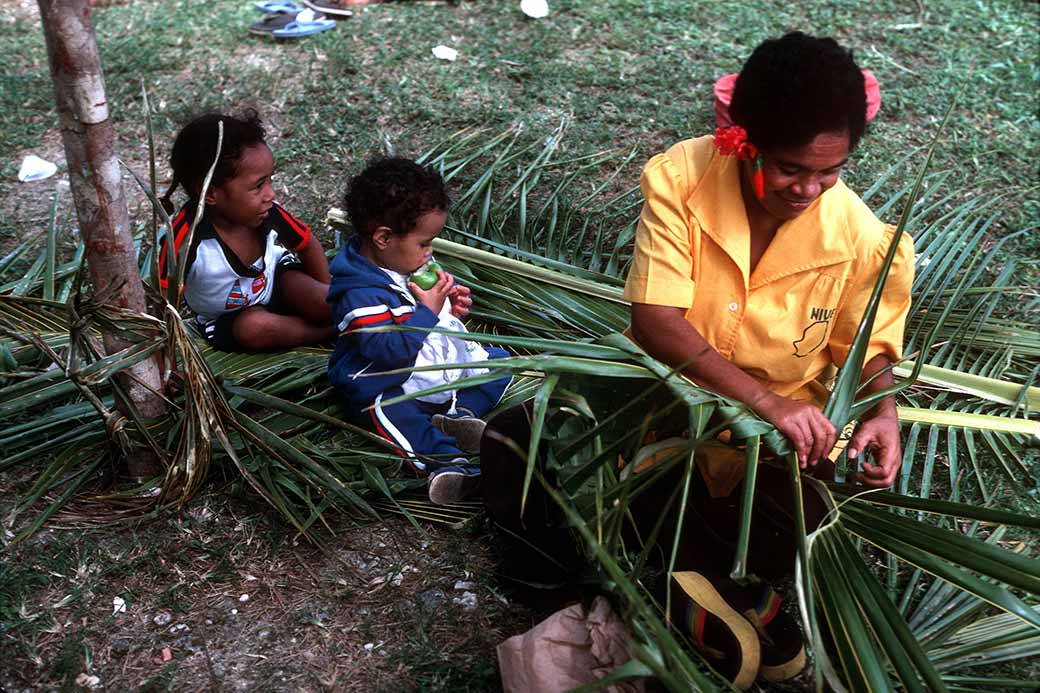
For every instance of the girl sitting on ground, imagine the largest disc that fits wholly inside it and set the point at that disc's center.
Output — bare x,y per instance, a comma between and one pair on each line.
256,278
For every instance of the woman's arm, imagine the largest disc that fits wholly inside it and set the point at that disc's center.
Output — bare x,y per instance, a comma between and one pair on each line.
667,336
314,261
878,431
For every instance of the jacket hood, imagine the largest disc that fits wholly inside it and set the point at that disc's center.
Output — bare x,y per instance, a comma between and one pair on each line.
351,270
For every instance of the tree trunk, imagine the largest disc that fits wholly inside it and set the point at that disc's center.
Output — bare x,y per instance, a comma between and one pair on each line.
96,182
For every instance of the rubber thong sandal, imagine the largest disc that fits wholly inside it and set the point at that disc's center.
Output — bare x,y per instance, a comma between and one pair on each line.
278,7
269,24
331,7
716,628
783,648
298,27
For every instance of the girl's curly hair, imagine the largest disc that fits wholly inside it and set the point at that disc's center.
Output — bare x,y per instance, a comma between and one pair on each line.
196,146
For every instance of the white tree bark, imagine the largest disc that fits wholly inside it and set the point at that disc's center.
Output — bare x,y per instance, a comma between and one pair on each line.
94,176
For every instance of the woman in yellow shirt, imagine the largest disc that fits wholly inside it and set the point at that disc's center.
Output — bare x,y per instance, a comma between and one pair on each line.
752,268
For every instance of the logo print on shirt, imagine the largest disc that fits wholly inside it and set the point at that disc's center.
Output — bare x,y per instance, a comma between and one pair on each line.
815,333
235,298
259,283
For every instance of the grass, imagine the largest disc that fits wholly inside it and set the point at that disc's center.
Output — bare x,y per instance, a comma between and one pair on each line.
634,74
627,73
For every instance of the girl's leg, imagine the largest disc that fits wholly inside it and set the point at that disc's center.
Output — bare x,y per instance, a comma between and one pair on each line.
258,329
299,294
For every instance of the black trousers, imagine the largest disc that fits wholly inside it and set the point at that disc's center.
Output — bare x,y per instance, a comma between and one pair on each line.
708,537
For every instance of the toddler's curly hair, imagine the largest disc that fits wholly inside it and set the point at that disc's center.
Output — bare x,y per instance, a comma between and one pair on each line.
393,192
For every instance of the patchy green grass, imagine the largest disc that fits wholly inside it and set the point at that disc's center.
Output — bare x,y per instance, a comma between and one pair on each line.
627,73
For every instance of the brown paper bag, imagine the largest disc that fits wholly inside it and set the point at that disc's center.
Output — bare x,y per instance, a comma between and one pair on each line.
571,648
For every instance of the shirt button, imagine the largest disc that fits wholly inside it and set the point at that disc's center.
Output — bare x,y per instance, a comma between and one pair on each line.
733,307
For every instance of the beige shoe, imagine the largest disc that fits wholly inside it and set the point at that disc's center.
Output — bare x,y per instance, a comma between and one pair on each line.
466,430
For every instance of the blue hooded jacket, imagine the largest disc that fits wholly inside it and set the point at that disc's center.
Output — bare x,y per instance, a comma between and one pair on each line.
362,295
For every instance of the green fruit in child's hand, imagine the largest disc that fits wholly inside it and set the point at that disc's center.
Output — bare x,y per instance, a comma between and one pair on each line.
426,276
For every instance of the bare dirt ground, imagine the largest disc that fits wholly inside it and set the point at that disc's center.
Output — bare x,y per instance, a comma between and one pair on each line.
223,597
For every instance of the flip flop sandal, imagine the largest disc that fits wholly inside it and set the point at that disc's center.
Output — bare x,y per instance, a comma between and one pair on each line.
783,649
331,7
297,29
716,628
271,23
278,7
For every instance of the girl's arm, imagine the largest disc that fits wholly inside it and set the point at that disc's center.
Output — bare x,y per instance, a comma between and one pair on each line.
314,261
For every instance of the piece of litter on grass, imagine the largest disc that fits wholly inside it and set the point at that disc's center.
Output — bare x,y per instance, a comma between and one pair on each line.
162,619
86,680
35,168
465,585
118,605
244,598
234,612
468,601
179,628
166,654
535,9
443,52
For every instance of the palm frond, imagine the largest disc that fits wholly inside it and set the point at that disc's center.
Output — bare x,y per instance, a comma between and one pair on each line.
545,243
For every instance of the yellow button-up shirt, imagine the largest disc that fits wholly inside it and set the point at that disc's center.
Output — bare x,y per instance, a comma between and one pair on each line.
797,313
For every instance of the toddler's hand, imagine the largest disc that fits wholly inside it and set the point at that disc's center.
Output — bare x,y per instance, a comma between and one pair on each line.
433,298
461,301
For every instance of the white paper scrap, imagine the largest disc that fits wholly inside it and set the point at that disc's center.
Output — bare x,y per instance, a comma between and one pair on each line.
35,168
535,9
443,52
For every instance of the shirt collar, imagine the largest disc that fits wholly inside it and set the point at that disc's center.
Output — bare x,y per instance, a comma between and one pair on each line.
818,237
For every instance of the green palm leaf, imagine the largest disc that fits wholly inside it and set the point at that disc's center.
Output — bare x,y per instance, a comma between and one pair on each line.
533,239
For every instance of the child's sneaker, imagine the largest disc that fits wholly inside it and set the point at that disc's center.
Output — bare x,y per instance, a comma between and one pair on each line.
466,430
453,482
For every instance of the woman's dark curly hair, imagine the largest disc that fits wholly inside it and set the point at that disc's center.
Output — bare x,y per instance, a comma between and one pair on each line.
196,146
393,192
796,87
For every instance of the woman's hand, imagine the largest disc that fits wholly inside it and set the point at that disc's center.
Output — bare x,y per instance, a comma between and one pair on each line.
667,336
461,301
878,430
809,431
433,298
880,435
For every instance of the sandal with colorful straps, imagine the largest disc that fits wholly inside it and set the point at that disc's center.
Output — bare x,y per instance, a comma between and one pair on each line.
741,629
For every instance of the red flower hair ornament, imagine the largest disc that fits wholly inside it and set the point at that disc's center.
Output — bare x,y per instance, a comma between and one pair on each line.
733,141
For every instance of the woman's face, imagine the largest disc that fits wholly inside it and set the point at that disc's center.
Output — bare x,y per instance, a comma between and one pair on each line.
794,177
